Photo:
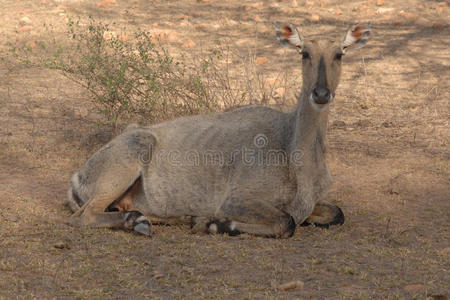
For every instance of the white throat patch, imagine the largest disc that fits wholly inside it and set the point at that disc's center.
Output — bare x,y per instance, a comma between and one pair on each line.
319,107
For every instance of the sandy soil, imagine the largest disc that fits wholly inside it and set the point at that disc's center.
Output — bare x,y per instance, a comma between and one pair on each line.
388,152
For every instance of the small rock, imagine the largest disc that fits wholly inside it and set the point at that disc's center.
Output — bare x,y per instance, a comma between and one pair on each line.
323,4
413,287
105,3
188,44
383,10
25,21
315,18
380,2
61,245
309,3
439,10
292,285
443,4
24,28
338,11
408,15
260,60
294,3
393,191
157,275
420,7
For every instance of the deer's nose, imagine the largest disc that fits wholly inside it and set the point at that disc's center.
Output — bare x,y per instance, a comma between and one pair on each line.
321,95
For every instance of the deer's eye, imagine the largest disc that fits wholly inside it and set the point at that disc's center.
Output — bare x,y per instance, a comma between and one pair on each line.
338,56
305,55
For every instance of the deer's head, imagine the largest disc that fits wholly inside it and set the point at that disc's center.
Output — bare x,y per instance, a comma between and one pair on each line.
321,59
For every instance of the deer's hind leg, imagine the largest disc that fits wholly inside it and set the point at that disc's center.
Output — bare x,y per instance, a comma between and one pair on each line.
110,176
252,216
114,210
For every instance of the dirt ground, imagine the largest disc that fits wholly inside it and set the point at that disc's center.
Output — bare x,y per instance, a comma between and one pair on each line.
388,153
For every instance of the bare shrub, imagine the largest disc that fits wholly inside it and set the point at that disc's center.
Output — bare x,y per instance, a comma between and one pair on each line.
140,80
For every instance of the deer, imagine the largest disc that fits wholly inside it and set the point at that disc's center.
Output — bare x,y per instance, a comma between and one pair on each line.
253,170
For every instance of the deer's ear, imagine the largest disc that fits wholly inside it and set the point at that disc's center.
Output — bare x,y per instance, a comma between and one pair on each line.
356,36
288,35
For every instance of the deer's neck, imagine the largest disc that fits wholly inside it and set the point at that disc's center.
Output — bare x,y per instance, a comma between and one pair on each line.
310,126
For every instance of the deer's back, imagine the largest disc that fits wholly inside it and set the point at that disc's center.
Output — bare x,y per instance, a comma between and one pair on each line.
199,160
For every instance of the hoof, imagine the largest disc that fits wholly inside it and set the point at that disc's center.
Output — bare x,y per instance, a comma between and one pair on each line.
199,225
290,230
222,226
338,219
135,221
143,228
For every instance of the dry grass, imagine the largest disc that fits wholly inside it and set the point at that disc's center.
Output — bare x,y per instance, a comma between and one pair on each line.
388,145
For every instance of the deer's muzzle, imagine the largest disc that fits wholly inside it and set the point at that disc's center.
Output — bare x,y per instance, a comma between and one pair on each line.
321,95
